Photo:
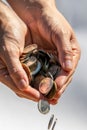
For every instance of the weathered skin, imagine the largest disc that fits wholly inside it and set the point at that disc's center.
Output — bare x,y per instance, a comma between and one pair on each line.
39,22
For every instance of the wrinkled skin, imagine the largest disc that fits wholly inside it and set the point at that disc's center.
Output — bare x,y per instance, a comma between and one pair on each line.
44,25
12,40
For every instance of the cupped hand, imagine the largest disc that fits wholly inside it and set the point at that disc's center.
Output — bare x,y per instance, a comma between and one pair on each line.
51,31
13,33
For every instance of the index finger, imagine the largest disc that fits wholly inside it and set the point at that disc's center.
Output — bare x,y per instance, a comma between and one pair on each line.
30,93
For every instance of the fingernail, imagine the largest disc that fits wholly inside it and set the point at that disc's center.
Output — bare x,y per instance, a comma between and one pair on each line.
22,84
68,64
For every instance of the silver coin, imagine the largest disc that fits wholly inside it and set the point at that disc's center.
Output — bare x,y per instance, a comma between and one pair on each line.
38,67
31,61
43,106
50,121
54,124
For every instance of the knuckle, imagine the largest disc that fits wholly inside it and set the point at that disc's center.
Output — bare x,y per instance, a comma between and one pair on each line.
63,33
67,53
8,51
3,73
79,52
14,72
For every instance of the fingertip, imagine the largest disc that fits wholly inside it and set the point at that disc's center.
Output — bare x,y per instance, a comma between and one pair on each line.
32,92
53,102
19,76
67,65
22,84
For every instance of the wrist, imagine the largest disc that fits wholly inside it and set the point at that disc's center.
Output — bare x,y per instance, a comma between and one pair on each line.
32,7
10,22
4,12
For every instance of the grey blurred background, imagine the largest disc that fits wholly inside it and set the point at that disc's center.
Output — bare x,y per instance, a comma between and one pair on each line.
74,11
71,111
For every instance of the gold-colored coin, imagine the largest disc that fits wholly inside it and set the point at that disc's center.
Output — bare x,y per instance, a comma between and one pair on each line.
30,48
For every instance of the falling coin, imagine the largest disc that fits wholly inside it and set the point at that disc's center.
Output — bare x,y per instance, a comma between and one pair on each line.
50,121
43,106
54,124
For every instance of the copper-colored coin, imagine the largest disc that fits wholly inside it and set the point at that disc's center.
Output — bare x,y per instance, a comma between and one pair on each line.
53,91
45,85
28,72
37,80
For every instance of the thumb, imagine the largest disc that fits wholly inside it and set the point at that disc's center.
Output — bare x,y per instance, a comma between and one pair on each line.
15,69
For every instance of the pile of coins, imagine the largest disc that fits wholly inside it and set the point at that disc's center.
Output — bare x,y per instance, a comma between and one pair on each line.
42,69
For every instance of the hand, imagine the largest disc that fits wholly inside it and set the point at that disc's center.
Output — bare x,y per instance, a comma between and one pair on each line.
13,33
50,30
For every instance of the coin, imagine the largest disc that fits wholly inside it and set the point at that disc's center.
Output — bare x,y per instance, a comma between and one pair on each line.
53,91
38,67
54,70
31,61
35,83
30,48
45,85
54,124
43,106
50,121
48,87
28,72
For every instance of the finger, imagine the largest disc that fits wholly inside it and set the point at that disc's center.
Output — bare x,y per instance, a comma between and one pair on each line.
21,95
65,75
62,78
63,88
62,82
64,50
76,52
35,94
30,93
10,56
55,100
5,79
65,55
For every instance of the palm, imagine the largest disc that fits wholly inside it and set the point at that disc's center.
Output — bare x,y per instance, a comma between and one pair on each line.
40,34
